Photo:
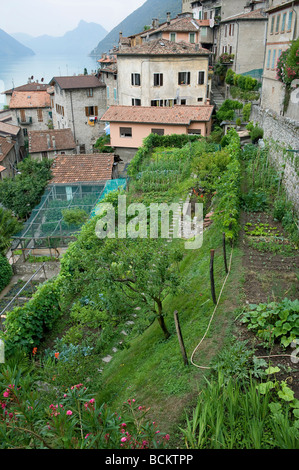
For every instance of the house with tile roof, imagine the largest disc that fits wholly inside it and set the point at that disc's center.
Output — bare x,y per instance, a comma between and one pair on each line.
78,103
30,86
48,144
130,125
8,157
163,73
244,36
30,110
15,134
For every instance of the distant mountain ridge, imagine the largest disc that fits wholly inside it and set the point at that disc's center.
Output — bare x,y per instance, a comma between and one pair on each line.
77,41
135,22
11,47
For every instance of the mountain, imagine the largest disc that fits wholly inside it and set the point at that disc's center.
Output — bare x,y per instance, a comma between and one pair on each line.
10,47
78,41
135,22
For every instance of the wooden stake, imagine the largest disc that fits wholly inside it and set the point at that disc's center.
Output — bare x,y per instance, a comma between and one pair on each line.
212,276
224,253
181,342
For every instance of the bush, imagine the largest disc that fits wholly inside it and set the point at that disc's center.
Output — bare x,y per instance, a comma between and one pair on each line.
246,112
5,272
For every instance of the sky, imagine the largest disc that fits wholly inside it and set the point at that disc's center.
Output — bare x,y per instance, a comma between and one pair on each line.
56,17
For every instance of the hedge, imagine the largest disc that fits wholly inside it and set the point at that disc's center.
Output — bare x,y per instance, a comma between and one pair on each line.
5,272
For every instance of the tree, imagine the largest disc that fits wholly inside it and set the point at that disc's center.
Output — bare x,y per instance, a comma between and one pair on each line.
9,225
22,193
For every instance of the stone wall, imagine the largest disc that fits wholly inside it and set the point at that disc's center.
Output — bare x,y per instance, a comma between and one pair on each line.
285,134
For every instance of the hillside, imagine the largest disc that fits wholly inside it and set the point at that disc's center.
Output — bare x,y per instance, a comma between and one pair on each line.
135,22
78,41
10,47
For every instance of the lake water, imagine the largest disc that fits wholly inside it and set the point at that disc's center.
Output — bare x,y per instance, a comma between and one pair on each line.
15,72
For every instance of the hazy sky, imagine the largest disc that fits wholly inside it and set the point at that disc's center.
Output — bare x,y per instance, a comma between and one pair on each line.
55,17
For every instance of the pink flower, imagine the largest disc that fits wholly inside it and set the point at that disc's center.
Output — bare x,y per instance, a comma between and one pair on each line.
124,425
87,435
92,400
69,412
6,394
123,439
167,437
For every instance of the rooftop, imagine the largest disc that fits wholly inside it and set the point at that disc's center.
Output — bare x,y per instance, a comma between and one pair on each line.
158,115
77,81
164,47
9,129
251,15
33,86
30,99
96,167
42,141
5,147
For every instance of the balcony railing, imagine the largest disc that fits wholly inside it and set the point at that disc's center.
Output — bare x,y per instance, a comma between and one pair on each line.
26,121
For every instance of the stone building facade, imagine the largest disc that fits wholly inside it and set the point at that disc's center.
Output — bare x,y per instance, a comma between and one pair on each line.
78,103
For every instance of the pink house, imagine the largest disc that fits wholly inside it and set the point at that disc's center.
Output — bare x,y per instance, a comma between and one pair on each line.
129,125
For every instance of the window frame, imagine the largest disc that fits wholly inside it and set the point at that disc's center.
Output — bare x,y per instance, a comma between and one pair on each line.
272,24
187,79
125,132
290,21
202,74
89,92
158,131
283,22
134,79
158,79
277,24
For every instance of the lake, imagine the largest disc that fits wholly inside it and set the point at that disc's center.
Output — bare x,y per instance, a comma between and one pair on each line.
16,71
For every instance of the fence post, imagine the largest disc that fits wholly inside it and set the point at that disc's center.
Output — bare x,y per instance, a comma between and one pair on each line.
180,338
224,253
212,276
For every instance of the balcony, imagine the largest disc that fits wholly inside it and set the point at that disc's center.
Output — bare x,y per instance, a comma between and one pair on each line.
25,121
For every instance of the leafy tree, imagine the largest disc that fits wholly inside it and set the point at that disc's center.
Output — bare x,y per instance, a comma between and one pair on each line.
227,110
9,225
5,272
101,144
22,193
74,216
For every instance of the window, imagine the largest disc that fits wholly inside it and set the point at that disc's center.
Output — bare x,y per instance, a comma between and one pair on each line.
45,155
290,20
108,92
201,78
225,33
272,25
158,79
203,31
136,102
172,37
268,58
59,109
231,29
40,115
183,102
22,114
89,91
91,111
192,38
273,59
184,78
279,53
224,49
169,103
283,24
277,24
157,131
199,100
230,49
135,79
115,94
156,102
194,131
125,131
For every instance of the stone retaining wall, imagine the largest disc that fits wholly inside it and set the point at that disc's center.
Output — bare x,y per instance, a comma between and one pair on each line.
285,133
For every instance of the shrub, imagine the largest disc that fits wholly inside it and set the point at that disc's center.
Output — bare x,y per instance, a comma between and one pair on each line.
246,112
5,272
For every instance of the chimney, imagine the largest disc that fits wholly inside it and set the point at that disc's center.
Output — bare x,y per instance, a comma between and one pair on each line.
48,141
168,17
155,23
208,101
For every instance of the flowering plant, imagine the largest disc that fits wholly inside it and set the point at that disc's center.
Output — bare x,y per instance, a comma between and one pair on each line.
76,421
287,67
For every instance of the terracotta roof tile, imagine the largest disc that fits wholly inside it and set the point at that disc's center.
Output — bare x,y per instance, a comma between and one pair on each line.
163,115
32,99
251,15
38,140
28,87
9,129
77,82
5,148
164,47
96,167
